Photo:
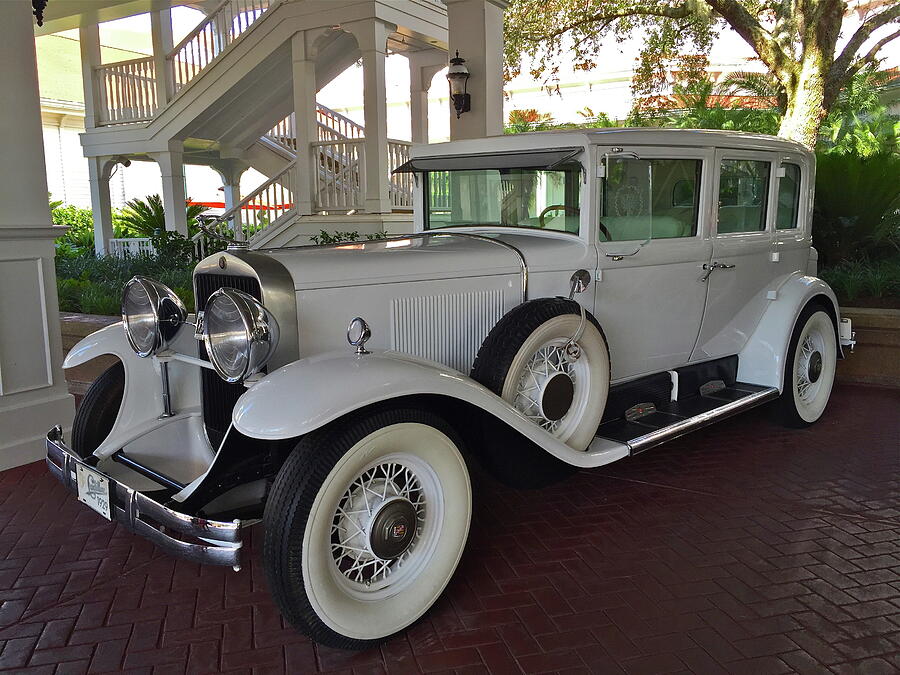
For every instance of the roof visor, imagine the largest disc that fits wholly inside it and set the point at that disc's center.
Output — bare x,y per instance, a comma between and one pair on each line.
532,159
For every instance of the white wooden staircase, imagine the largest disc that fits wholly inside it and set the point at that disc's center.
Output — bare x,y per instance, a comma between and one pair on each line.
226,91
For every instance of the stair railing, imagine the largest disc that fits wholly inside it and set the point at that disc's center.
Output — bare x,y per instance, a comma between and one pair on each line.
332,126
229,20
255,213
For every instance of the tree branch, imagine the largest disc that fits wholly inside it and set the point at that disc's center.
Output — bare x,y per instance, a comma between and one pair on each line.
842,64
606,18
748,27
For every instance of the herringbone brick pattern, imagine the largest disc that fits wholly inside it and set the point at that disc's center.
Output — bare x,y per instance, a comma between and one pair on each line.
745,548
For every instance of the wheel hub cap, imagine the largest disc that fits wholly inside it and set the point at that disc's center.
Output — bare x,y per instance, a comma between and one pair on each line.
392,529
557,397
814,369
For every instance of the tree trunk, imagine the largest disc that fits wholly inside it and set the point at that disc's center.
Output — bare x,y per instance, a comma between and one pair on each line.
805,105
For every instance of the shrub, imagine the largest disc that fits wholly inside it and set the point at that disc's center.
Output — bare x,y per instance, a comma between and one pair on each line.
857,207
93,284
867,282
145,218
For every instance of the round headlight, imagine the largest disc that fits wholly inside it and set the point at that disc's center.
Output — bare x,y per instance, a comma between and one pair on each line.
152,315
240,334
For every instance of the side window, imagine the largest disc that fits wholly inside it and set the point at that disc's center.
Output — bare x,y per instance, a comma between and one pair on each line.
743,195
788,197
646,199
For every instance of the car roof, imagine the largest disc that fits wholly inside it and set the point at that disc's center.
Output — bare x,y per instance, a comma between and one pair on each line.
573,138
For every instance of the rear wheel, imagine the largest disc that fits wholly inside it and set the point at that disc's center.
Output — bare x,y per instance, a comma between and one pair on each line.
809,368
365,524
98,410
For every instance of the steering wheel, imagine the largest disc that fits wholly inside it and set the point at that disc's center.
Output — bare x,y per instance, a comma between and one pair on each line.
571,210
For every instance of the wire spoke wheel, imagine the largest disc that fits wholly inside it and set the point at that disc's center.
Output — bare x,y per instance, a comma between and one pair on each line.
809,368
379,523
551,388
365,524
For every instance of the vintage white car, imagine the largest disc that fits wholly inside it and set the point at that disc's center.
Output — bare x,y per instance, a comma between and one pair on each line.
566,300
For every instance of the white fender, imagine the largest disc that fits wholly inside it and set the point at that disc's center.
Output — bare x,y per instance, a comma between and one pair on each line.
142,402
309,393
762,359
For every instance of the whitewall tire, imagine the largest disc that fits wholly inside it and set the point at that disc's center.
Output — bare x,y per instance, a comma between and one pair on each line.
809,368
552,365
365,525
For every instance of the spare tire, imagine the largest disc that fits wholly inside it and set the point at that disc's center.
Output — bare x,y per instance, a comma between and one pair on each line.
525,361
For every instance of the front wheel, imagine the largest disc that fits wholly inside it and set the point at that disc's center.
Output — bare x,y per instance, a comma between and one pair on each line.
365,524
809,368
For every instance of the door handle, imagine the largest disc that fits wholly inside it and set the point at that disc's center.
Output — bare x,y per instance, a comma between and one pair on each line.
714,266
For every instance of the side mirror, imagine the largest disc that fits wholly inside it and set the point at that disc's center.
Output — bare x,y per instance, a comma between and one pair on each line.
579,282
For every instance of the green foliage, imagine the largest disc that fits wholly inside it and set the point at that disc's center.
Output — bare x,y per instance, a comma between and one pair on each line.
93,284
857,207
862,279
173,246
337,237
677,36
858,123
144,218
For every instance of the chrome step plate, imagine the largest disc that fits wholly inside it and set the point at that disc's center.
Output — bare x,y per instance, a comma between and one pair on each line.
671,420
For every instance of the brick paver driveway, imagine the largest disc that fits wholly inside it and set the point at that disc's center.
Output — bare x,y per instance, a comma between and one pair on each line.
743,548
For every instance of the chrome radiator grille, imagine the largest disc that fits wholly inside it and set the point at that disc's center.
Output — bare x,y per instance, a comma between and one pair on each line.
218,397
447,328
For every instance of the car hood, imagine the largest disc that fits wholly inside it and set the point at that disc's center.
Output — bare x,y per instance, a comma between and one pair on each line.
396,260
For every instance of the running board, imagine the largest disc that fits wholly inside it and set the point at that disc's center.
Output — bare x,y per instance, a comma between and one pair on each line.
662,423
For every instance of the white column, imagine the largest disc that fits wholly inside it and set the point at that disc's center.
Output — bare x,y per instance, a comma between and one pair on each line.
303,75
371,35
99,169
89,40
33,395
423,66
171,165
161,34
230,172
476,30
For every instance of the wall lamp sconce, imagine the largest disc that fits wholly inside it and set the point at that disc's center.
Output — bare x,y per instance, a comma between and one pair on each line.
458,76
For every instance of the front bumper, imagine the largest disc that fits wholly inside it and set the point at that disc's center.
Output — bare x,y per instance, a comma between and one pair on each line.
150,519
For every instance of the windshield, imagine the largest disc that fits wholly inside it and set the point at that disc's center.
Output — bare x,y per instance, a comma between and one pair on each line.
538,198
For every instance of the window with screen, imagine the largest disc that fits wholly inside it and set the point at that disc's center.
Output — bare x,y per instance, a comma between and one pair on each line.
788,198
645,199
743,195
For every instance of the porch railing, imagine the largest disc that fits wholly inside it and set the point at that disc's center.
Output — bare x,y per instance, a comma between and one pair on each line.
339,173
131,246
401,184
127,91
202,45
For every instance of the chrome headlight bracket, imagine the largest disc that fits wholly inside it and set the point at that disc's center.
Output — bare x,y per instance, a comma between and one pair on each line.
159,316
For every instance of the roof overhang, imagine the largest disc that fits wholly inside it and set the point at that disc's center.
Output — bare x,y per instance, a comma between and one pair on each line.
62,15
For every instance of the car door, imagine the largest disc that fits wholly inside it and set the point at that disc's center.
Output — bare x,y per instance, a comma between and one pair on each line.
651,253
742,266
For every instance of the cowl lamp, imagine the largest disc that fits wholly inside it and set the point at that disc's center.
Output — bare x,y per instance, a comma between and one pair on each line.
458,76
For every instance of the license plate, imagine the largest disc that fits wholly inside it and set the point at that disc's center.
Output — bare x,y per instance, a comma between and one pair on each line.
93,490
